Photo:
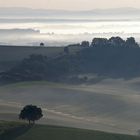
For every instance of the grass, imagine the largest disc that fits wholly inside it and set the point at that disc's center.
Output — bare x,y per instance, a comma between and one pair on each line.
40,132
20,131
11,130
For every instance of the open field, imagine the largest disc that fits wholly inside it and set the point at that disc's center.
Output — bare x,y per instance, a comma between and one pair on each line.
19,131
110,105
55,133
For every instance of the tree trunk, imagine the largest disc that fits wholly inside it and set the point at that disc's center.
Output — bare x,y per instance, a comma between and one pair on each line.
29,122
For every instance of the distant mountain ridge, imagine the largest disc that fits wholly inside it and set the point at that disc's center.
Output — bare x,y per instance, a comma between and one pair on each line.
21,11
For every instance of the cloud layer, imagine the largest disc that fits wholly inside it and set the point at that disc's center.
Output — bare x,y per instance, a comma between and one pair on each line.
70,4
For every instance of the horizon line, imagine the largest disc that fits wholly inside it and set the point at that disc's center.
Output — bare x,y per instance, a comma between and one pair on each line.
114,8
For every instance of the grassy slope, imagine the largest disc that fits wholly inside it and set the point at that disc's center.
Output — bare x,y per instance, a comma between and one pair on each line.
18,131
10,55
108,107
60,133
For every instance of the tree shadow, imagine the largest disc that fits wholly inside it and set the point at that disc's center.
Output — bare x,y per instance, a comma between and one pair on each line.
12,134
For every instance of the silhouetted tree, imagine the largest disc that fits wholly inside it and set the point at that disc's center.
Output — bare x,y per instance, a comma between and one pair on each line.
116,42
85,44
30,113
66,50
130,42
41,44
99,42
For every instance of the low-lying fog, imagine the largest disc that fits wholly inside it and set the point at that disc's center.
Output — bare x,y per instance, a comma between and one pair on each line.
65,32
29,27
110,105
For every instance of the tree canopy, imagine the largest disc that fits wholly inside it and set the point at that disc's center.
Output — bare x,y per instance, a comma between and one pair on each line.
31,113
114,42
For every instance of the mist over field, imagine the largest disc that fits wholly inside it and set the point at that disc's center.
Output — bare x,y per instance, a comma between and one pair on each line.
110,105
30,26
82,67
107,101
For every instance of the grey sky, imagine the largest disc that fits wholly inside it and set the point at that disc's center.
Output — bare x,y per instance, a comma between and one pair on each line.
71,4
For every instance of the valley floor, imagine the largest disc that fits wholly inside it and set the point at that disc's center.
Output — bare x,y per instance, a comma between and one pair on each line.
110,105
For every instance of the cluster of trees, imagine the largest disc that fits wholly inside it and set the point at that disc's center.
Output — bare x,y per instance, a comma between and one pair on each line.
117,62
39,67
111,42
114,42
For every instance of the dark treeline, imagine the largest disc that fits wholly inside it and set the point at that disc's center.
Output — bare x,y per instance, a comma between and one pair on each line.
37,67
119,60
111,42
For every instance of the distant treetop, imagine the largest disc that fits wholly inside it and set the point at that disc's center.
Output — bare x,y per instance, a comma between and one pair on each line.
41,44
111,42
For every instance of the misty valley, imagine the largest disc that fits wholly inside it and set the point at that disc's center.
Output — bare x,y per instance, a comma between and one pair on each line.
71,73
93,84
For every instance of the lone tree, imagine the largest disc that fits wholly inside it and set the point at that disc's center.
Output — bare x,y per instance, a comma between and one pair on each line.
41,44
30,113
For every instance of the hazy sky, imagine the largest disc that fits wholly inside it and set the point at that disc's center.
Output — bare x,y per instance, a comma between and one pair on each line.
70,4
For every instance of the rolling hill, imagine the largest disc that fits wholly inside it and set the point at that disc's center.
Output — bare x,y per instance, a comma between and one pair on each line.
110,105
17,131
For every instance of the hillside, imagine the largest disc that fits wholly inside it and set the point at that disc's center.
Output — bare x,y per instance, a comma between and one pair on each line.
104,62
113,58
57,133
12,55
17,131
110,105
